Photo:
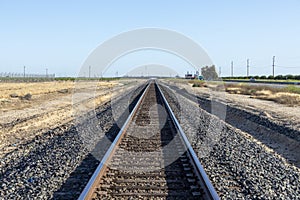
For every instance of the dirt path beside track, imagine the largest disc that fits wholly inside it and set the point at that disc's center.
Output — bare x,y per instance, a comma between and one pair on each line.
49,107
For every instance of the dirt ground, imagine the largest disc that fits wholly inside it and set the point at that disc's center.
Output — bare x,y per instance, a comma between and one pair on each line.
285,115
51,104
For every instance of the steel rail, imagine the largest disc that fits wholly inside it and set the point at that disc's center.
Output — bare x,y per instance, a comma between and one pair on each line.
194,158
87,192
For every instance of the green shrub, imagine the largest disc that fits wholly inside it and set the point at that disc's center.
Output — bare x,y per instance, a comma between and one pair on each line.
263,77
292,89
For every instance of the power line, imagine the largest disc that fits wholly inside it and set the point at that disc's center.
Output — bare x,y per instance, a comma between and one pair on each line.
286,66
247,67
293,58
253,67
90,71
262,66
231,68
273,66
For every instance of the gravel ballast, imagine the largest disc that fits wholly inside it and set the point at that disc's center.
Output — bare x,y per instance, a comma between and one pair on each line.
42,167
239,166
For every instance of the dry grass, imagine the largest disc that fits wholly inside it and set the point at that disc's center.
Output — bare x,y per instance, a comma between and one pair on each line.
289,95
197,83
282,97
33,88
287,98
41,88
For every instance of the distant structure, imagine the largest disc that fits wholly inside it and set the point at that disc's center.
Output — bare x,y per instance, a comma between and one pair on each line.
189,76
22,75
193,76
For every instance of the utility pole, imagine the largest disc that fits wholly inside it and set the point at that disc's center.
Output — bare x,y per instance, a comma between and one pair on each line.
90,71
247,67
46,72
219,71
24,71
273,65
231,68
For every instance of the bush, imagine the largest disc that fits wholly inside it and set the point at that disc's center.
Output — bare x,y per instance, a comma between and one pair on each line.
197,83
297,77
292,89
65,79
263,77
289,76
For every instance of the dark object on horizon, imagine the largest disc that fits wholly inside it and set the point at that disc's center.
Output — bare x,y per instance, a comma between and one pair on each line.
63,91
191,76
26,97
14,95
252,79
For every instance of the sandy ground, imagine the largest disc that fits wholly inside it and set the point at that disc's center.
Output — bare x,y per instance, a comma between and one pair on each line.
52,104
272,141
287,115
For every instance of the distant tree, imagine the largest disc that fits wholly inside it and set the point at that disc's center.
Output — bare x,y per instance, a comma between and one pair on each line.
209,73
270,77
279,77
263,77
289,76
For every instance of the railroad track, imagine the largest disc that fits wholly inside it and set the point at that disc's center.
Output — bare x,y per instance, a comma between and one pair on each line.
150,158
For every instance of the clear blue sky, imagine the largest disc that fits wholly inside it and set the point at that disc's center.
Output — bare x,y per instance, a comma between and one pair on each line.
59,35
